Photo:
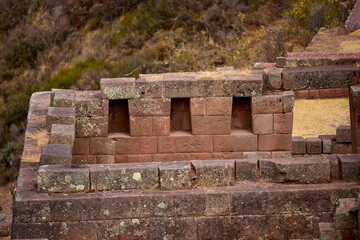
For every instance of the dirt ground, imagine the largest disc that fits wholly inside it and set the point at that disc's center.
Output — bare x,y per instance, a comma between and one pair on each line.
320,116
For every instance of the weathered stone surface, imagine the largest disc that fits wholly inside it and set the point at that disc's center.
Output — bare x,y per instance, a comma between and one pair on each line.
320,77
148,88
355,117
218,106
341,148
81,146
275,142
328,231
90,104
335,173
237,141
313,145
149,107
92,127
270,103
211,125
283,123
185,143
262,123
175,175
214,173
60,115
178,86
298,170
273,78
326,146
288,101
242,85
343,134
5,226
62,178
52,154
63,98
118,88
352,22
298,146
350,167
124,176
246,169
62,134
344,219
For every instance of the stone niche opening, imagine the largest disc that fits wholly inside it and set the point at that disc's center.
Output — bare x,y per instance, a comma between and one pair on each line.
241,113
119,121
180,118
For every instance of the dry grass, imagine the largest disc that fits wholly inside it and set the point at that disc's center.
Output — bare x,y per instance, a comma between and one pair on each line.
320,116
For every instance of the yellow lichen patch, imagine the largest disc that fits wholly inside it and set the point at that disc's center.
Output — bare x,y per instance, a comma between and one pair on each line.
42,137
320,116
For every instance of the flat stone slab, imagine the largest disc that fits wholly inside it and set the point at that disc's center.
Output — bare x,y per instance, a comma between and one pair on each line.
62,134
175,175
214,173
350,167
62,98
63,178
124,176
296,170
320,77
52,154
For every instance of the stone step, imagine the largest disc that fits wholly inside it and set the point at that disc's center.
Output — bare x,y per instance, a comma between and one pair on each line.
344,219
320,77
309,59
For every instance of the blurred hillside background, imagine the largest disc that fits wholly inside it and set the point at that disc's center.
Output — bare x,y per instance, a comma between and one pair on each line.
48,44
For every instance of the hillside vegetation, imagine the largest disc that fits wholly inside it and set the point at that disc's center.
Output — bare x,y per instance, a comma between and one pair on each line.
48,44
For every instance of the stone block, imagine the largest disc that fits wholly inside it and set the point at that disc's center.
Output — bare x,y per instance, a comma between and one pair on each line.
343,134
218,203
335,173
105,159
121,158
273,78
118,88
320,77
270,103
139,158
146,87
197,106
90,104
298,146
237,141
328,231
185,143
63,98
214,173
141,126
288,101
127,145
160,125
281,154
341,148
301,94
242,85
211,125
262,123
313,145
218,106
344,219
314,94
101,146
148,145
350,167
200,156
175,175
52,154
246,169
83,159
275,142
299,170
326,146
62,134
124,176
63,179
81,146
283,123
178,86
60,115
149,107
161,157
326,93
92,126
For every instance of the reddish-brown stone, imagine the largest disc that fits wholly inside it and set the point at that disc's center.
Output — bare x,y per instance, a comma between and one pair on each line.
105,159
138,158
60,115
148,145
92,126
313,145
160,126
185,143
213,125
200,156
81,146
281,154
350,167
181,156
288,101
52,154
161,157
340,148
238,141
343,134
140,126
262,123
301,94
101,146
218,106
271,103
83,159
149,107
177,86
197,106
121,158
275,142
148,88
313,94
175,175
327,93
246,169
214,173
283,123
62,134
90,104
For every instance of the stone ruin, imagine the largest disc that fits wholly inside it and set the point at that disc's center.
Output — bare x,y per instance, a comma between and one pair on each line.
192,156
